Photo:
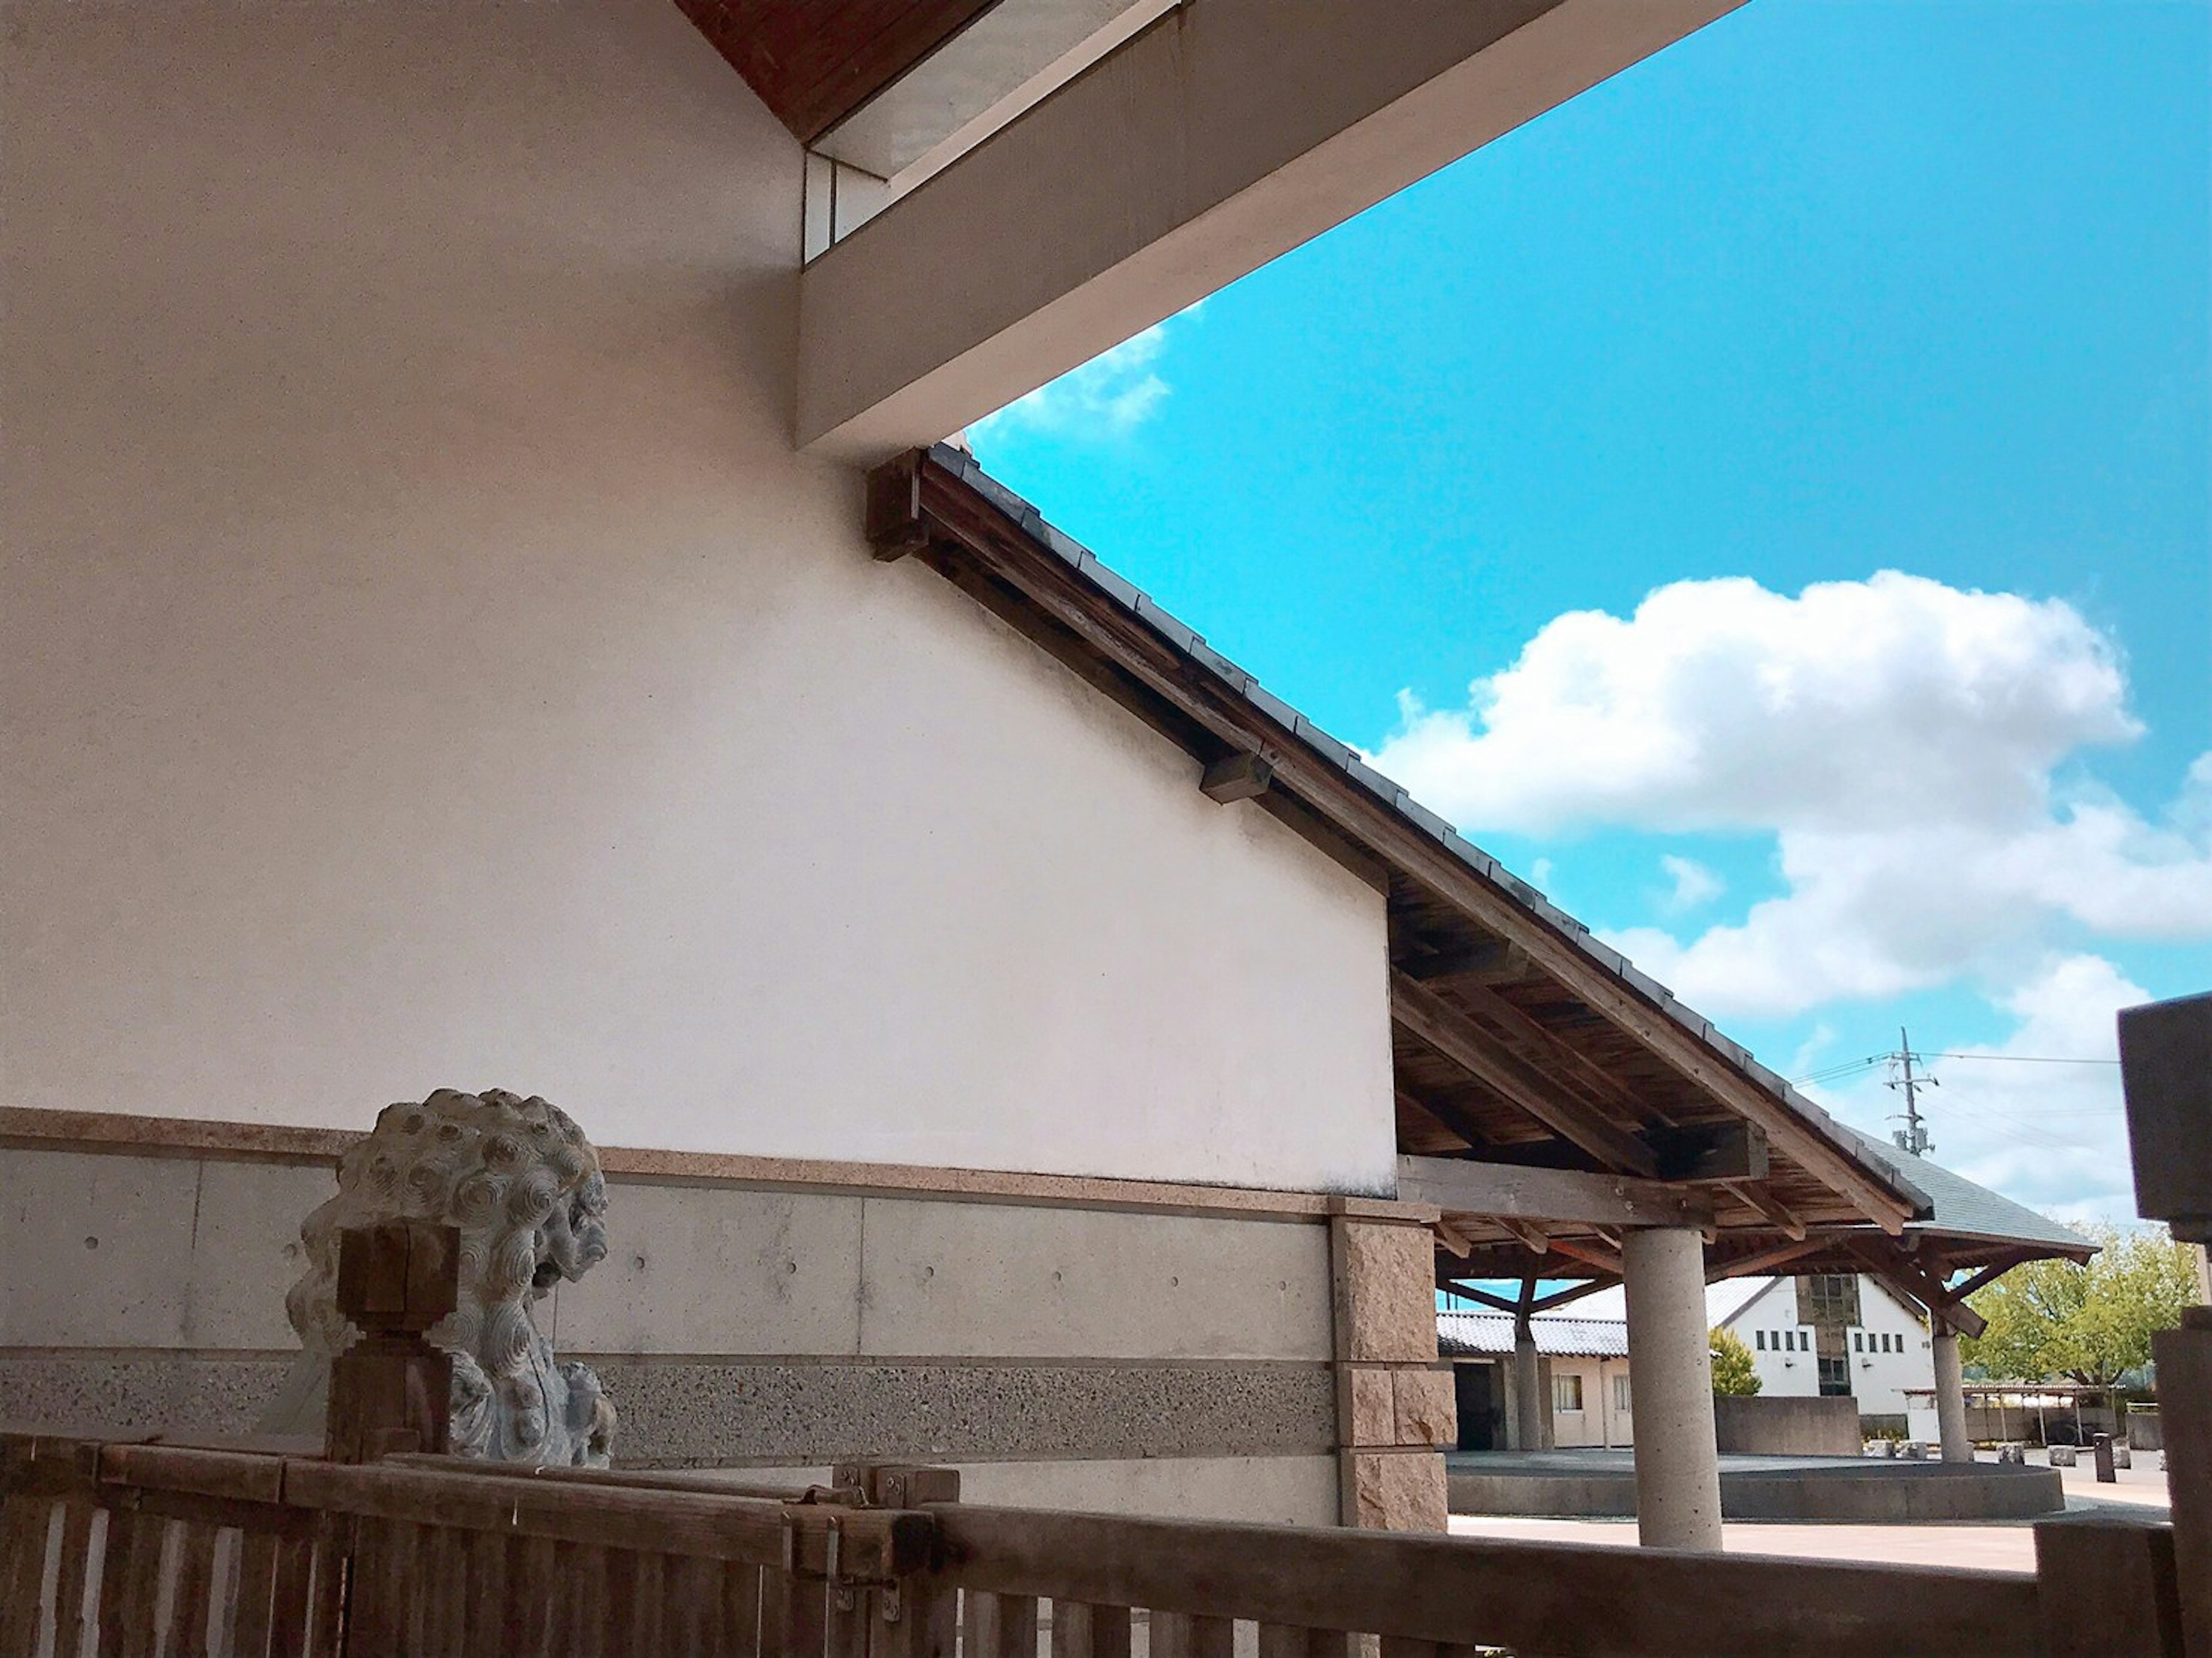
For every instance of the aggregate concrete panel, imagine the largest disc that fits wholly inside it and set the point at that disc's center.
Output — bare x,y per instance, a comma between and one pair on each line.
1296,1490
680,1413
704,1269
952,1279
177,1396
700,1413
99,1249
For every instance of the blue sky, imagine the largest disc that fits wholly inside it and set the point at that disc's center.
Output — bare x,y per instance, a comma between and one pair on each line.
1566,483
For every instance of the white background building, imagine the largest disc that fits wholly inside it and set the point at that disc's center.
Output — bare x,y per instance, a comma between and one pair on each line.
1885,1350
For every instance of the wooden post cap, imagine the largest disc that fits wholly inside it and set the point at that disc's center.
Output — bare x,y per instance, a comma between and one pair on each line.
400,1277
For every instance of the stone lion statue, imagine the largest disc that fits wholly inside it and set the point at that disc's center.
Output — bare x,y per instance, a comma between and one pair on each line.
523,1186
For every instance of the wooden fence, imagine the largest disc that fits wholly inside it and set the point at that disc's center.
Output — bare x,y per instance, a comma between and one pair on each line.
155,1551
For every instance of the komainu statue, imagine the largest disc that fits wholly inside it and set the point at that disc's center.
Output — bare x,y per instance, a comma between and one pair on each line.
523,1186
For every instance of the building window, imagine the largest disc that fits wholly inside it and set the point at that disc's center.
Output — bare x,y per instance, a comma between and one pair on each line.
1566,1393
1758,1338
1620,1397
1836,1377
1828,1298
1858,1341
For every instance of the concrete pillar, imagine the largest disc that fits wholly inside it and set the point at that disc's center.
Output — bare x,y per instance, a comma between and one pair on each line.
1950,1396
1530,1407
1678,1469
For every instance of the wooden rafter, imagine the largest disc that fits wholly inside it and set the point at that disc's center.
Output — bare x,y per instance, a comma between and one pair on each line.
1467,965
1915,1283
1761,1202
1523,1034
1481,1297
1593,1254
1448,1115
1460,1039
1988,1275
1767,1259
1528,1234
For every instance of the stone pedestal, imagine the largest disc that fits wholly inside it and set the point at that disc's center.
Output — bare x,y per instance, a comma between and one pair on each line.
1678,1471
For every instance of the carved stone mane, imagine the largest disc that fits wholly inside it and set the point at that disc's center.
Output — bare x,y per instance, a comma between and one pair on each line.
523,1186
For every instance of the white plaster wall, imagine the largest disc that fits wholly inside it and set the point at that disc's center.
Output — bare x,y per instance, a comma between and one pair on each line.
1774,1309
1879,1379
426,663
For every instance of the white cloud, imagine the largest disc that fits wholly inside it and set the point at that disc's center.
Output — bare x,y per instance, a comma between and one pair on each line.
1110,396
1694,883
1903,739
2052,1136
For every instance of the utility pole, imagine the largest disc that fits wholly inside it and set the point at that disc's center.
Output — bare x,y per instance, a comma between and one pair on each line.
1913,1137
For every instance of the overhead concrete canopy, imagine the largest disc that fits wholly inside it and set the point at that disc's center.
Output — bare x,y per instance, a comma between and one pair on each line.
1227,133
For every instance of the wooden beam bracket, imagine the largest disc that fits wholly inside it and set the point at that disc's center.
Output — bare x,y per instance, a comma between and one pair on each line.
895,526
1237,777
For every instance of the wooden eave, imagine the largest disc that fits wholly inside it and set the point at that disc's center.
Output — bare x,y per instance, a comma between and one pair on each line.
1517,1038
814,62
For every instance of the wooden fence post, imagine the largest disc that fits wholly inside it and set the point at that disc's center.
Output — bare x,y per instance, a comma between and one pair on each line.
917,1617
392,1391
2166,1070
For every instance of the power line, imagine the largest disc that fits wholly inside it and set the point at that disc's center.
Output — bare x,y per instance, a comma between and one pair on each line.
2021,1058
1844,1068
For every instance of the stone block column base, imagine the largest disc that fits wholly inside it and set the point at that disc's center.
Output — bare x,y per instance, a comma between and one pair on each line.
1396,1404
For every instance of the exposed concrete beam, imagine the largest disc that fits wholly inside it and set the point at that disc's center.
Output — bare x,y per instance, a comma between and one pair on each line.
1509,1191
1224,136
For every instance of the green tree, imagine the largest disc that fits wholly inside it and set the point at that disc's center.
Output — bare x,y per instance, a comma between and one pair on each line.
1733,1371
2054,1319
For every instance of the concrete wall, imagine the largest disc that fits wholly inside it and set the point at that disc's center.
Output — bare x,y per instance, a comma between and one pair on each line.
1134,1358
1761,1426
1879,1378
428,663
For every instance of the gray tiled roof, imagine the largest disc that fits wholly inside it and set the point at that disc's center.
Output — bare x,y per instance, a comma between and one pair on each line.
1559,1335
1960,1208
1243,685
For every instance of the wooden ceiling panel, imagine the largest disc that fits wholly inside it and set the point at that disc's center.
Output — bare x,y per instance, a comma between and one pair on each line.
814,62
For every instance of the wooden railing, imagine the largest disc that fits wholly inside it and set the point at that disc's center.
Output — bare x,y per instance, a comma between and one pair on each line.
130,1549
133,1549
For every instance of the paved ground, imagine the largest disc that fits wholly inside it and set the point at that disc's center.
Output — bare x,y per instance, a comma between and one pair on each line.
2008,1545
